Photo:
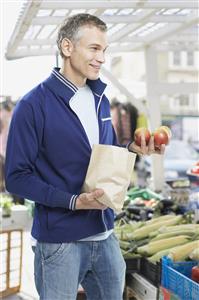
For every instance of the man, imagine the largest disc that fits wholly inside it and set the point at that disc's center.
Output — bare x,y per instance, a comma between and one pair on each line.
51,136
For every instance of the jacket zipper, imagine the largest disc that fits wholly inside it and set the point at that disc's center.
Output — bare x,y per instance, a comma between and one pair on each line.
100,100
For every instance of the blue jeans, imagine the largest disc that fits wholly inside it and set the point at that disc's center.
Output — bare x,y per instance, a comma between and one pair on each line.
98,266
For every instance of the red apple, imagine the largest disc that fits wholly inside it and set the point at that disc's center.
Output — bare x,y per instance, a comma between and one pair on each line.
160,137
139,132
167,129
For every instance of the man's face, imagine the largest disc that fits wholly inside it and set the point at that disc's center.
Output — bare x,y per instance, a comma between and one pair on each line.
87,54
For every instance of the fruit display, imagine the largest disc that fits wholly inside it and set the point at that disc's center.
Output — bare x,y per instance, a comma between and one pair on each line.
139,205
193,174
142,204
195,170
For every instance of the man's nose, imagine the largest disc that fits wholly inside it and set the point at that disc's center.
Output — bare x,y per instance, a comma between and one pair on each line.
101,57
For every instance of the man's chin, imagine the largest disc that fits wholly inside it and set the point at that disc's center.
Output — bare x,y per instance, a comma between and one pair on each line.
93,77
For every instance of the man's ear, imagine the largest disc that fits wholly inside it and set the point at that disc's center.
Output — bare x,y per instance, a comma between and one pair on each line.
67,47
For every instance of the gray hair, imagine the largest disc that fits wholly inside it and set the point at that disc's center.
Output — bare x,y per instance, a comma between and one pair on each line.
70,27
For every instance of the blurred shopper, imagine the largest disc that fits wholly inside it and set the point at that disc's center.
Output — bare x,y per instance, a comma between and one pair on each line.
124,122
51,136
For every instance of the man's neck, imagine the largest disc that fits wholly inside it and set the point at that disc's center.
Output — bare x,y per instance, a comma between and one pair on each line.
67,73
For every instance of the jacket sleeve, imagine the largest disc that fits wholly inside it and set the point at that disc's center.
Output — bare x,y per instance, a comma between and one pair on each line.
22,150
115,142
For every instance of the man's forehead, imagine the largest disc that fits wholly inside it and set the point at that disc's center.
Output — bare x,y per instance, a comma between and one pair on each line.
90,32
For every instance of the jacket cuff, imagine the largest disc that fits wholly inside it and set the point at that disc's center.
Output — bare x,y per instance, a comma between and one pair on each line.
72,202
128,145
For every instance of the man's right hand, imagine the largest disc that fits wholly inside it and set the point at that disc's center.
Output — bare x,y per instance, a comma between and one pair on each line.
89,200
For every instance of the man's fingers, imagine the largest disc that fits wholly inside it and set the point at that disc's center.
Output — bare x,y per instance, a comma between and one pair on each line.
83,197
89,200
151,146
92,195
162,149
144,148
143,141
100,205
98,193
95,194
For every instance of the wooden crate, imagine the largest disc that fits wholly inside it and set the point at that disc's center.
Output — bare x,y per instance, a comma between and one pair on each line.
10,261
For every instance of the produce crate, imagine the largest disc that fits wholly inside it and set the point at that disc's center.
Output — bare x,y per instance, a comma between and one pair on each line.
141,287
151,271
11,261
132,265
176,278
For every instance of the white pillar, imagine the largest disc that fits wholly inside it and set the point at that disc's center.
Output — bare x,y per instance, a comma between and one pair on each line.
153,103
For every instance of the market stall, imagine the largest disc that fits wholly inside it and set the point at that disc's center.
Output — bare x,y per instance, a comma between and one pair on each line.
159,239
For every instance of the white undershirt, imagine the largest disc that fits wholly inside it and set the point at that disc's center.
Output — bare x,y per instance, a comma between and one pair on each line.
83,104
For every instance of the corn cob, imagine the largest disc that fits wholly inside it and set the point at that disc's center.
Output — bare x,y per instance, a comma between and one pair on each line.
164,229
169,234
153,234
157,256
123,231
131,226
144,231
154,247
128,254
160,219
194,255
124,245
182,252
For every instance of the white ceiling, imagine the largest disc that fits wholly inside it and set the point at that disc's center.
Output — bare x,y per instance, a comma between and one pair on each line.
133,25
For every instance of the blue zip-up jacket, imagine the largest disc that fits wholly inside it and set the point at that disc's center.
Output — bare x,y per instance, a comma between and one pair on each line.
47,157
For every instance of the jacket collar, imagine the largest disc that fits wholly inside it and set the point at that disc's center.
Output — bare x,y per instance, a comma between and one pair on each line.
97,86
66,89
63,80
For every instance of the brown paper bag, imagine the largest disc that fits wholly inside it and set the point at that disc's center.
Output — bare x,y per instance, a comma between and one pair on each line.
110,169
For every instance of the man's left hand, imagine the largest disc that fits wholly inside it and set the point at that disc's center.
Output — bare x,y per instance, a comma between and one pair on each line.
146,149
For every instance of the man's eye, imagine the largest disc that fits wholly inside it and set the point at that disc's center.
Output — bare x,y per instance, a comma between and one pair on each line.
94,48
